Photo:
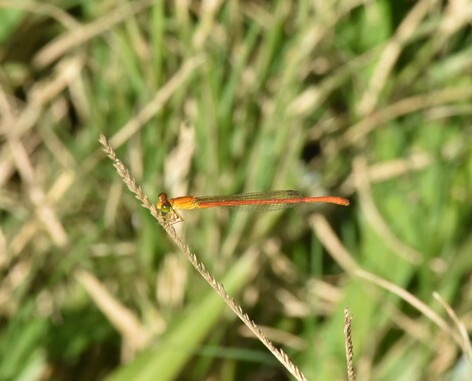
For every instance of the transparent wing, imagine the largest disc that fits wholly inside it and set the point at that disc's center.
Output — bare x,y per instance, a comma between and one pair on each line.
260,201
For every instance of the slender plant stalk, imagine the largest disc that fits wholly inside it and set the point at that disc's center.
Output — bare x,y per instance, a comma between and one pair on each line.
351,374
192,258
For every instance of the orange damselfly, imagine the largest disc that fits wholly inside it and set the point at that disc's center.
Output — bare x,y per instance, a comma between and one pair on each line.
272,200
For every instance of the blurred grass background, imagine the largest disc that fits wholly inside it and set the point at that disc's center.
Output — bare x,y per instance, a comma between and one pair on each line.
371,100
